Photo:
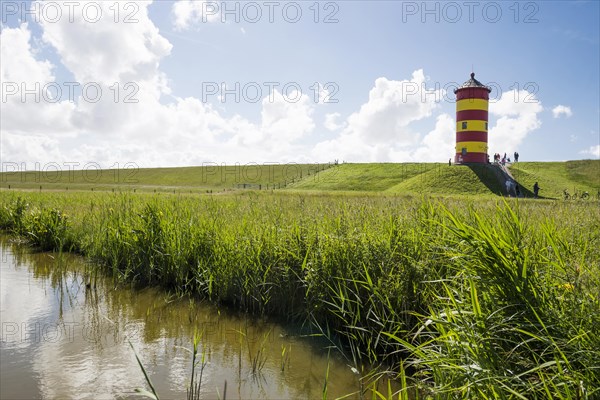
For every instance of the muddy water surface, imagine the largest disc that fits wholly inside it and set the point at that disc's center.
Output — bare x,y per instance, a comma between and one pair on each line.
64,339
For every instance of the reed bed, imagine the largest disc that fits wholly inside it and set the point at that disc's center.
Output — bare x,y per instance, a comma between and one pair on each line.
454,298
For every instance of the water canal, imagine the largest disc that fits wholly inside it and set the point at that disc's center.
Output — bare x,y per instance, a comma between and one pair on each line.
62,338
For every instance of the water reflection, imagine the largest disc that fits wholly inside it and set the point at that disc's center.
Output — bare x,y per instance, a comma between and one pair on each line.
65,335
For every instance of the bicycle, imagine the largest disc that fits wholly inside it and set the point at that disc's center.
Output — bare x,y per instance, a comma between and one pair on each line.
583,196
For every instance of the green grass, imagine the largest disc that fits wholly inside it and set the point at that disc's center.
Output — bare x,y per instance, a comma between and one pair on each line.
410,178
457,297
454,180
415,178
183,179
441,179
363,177
554,177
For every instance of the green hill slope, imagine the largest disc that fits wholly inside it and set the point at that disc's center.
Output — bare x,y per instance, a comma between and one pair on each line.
472,180
424,178
434,178
554,177
363,177
210,177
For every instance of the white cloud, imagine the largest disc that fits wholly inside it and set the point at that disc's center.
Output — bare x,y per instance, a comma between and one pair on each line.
18,58
561,110
381,129
187,12
392,106
593,151
439,144
331,123
286,121
21,73
517,116
184,131
105,51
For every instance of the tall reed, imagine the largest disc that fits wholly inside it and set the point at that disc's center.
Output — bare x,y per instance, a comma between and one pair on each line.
459,298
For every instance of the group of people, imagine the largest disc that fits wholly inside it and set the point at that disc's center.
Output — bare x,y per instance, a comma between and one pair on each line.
498,159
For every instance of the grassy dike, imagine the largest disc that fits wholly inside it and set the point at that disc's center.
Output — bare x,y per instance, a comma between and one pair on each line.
458,298
128,177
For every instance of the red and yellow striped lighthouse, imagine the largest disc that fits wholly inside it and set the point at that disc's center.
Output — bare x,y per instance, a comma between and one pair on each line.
472,122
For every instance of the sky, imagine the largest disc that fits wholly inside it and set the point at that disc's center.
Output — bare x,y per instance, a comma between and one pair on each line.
181,83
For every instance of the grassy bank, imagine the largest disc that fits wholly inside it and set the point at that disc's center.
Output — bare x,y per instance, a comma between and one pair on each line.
442,179
462,298
553,178
128,177
390,178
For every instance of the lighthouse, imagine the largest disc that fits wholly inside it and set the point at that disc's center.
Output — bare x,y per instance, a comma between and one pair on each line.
472,100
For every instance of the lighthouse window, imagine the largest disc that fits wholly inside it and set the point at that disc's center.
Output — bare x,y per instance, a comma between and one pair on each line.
464,125
486,126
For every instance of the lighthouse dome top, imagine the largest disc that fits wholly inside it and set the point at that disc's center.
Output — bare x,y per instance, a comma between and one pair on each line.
473,83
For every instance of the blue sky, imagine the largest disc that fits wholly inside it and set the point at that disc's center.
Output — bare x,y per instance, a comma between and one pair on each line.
364,81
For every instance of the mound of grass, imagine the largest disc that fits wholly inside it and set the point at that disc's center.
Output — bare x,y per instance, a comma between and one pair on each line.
363,177
455,180
441,179
554,177
411,178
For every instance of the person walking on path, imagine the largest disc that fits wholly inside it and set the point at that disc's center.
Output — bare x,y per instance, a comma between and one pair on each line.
536,189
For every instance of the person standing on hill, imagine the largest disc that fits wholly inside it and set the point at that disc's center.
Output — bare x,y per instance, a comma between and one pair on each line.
516,156
536,189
